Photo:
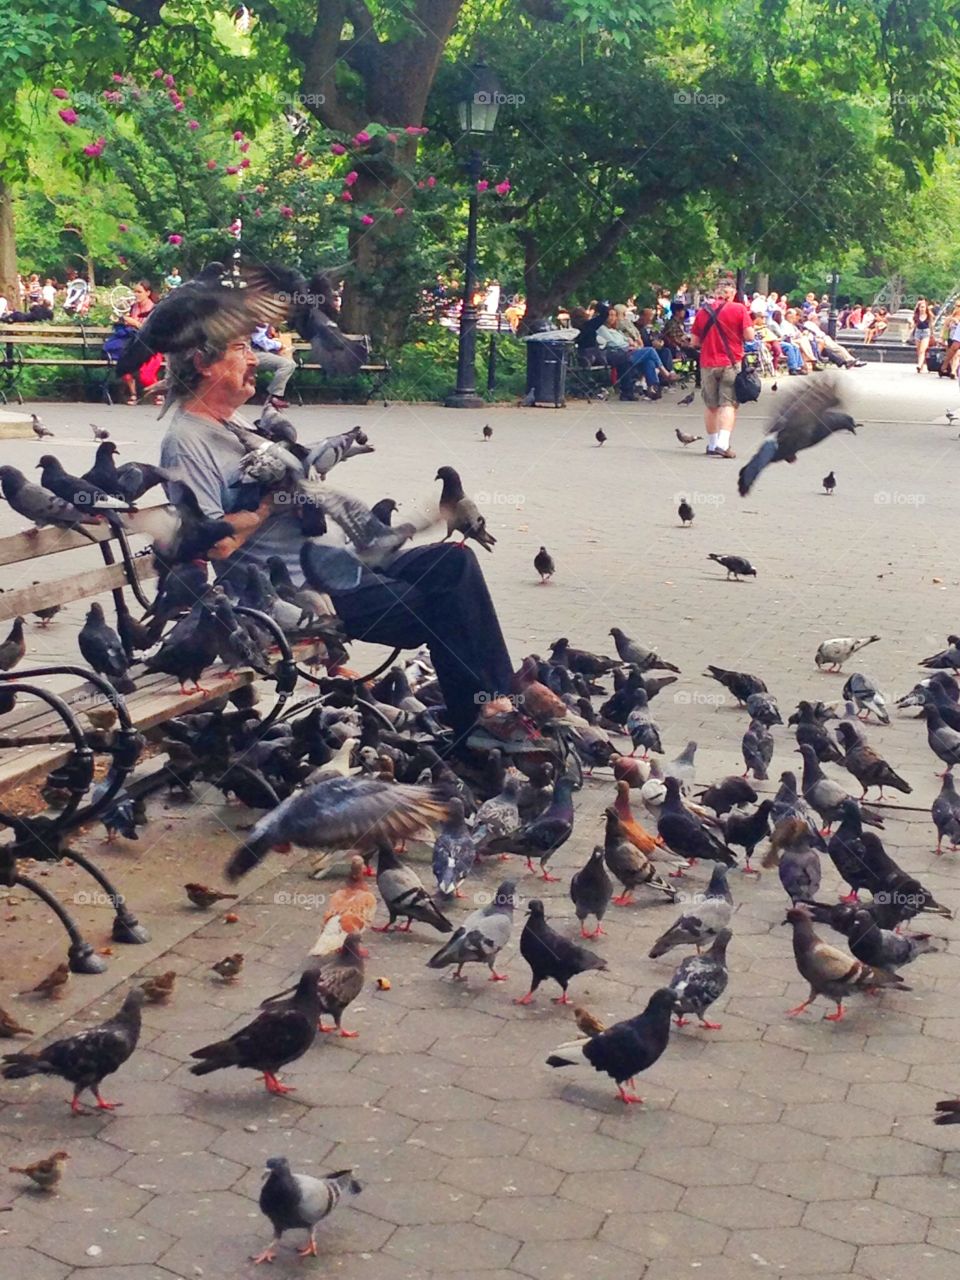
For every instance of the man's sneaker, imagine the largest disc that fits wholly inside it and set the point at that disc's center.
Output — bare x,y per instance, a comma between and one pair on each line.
278,402
723,453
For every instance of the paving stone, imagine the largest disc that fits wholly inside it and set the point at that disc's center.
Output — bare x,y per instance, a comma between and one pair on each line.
625,1186
469,1138
814,1180
407,1204
454,1247
697,1166
574,1259
126,1242
502,1175
937,1196
30,1262
174,1135
662,1235
756,1208
540,1218
917,1261
790,1250
588,1152
836,1120
866,1222
769,1142
200,1171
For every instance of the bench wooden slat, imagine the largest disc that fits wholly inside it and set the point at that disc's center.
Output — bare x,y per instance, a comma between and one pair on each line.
32,721
149,521
65,590
147,710
72,364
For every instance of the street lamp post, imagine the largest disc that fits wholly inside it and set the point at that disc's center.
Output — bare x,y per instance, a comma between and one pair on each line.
478,115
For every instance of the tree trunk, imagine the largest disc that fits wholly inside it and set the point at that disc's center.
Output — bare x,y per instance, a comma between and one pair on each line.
8,248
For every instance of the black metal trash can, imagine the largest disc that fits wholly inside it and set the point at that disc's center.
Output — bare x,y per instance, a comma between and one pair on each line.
546,372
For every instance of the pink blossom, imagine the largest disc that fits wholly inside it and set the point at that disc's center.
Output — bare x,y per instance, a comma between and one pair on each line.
117,78
193,124
420,185
361,138
158,73
178,105
93,149
123,227
238,135
286,211
174,239
431,181
60,93
112,95
351,177
169,81
232,168
367,220
173,95
122,258
245,163
338,148
482,184
260,188
502,187
345,195
415,130
391,137
68,115
258,213
399,211
299,159
244,146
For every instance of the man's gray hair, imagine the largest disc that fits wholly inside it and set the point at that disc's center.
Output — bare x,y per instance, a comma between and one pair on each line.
183,375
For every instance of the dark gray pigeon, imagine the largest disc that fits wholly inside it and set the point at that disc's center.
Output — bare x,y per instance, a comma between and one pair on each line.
946,813
638,655
101,648
943,741
590,891
701,980
454,851
41,506
763,707
757,749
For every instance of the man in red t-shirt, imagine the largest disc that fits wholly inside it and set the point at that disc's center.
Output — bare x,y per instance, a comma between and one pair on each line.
718,369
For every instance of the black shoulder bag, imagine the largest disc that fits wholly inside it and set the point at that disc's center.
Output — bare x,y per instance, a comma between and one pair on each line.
747,385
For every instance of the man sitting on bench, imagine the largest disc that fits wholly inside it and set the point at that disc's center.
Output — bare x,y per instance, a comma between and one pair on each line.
433,595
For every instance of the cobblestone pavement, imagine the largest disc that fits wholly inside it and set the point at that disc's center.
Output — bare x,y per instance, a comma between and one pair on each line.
772,1146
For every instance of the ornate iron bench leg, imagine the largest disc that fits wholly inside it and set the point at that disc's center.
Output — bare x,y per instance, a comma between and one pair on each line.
81,955
126,926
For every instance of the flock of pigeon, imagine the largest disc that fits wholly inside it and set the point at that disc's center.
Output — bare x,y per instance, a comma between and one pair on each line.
364,769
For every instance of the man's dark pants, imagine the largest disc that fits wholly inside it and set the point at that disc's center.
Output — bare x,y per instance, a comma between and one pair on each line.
435,595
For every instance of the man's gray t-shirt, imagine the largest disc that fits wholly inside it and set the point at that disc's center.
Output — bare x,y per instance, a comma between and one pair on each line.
206,456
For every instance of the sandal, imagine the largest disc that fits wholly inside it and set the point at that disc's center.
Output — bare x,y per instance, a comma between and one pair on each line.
133,400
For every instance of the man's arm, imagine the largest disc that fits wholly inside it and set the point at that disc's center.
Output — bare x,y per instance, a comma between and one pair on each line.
244,525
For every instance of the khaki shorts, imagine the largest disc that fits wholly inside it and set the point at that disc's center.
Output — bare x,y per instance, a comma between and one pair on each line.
716,385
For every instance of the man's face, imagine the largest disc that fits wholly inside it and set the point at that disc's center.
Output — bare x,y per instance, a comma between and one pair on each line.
728,291
235,375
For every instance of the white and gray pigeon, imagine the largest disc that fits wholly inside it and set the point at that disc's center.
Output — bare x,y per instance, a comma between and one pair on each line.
498,816
702,920
682,768
454,851
788,803
834,653
481,937
701,980
863,691
298,1200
